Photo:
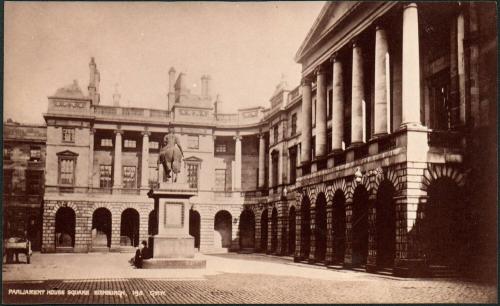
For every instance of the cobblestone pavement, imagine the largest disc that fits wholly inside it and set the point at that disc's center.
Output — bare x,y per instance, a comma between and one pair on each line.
230,280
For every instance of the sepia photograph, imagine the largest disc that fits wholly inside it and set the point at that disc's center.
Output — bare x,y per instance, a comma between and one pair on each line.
275,152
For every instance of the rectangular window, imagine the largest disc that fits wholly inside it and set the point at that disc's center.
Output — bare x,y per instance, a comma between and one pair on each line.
293,165
105,176
294,124
66,171
129,177
220,179
34,182
7,153
330,103
193,142
7,181
276,133
68,135
35,154
130,143
192,174
220,148
313,112
275,165
154,145
106,142
153,177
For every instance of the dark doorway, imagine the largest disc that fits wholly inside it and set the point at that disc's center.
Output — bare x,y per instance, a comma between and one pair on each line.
444,224
129,228
386,225
305,227
224,227
291,231
65,227
360,227
247,229
320,228
338,227
264,220
274,230
194,227
101,228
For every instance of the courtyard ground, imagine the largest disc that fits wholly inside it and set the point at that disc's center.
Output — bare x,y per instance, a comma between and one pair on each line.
229,278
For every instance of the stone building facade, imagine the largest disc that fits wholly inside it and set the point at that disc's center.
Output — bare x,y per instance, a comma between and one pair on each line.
23,181
383,159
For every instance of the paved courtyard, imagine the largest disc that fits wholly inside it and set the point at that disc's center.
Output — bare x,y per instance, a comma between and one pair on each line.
230,278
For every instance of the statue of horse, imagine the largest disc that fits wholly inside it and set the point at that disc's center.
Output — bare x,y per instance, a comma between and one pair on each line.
171,155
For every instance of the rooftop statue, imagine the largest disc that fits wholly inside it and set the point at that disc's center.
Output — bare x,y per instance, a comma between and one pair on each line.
171,155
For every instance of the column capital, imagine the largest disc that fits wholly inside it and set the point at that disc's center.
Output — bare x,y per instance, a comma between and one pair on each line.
146,133
237,137
319,70
92,131
305,81
334,58
260,135
118,132
410,5
355,42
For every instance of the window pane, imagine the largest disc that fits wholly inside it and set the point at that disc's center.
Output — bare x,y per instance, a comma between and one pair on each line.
68,135
67,171
192,175
105,176
129,177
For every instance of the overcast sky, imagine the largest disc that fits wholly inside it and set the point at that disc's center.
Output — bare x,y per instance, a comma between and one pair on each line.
245,47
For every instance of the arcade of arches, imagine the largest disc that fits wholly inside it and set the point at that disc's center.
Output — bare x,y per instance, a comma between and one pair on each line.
366,229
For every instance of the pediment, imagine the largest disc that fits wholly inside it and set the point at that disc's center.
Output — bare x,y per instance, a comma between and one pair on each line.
67,153
193,159
331,14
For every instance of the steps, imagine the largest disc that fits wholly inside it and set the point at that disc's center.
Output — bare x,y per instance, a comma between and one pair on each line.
99,249
441,271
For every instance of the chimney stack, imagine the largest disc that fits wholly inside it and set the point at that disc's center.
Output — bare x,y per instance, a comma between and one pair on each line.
95,77
205,86
116,96
171,88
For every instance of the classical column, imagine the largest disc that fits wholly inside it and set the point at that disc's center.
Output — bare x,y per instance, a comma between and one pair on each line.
411,66
337,105
461,65
358,95
320,112
306,121
91,157
262,160
237,163
145,160
117,163
381,81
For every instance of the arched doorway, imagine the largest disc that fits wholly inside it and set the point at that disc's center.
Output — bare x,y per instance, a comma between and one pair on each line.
305,228
65,227
129,228
444,224
223,229
320,228
338,227
360,226
152,224
194,227
263,231
291,231
274,230
101,228
386,225
247,230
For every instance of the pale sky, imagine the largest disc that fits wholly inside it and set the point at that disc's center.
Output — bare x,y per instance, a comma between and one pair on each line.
245,47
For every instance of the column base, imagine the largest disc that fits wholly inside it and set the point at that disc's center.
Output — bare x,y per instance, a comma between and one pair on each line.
173,247
174,263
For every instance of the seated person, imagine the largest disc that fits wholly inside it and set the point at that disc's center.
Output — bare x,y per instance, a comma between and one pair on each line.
141,254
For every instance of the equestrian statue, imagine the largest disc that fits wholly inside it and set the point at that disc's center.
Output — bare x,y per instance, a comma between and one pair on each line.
171,155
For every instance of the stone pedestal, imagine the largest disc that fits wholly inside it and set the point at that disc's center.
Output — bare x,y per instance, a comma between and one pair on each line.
173,247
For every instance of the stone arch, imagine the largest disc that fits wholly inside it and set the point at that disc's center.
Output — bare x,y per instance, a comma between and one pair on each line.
387,174
436,171
339,225
320,227
385,223
223,227
305,227
101,224
65,226
247,229
129,227
339,184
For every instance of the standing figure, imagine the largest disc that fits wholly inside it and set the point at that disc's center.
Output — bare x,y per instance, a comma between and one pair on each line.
171,155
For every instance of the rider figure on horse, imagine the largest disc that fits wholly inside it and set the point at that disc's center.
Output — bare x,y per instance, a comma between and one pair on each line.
171,155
